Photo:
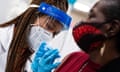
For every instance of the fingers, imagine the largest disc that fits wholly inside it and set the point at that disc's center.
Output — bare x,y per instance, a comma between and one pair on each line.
50,53
52,56
55,65
48,56
46,62
34,67
39,54
42,49
42,46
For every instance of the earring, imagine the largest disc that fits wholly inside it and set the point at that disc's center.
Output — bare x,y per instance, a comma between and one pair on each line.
102,50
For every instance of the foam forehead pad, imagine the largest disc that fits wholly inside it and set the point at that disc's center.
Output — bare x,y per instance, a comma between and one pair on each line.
56,13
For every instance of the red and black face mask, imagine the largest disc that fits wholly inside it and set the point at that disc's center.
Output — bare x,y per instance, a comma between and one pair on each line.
89,36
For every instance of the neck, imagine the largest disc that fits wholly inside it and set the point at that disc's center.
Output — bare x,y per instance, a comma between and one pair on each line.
95,56
109,54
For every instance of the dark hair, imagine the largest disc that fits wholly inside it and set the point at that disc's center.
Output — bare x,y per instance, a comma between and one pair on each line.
111,11
19,50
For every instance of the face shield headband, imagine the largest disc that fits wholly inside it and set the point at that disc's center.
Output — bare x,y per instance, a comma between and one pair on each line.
56,13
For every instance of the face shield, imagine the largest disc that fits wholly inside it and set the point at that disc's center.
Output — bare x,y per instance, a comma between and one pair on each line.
38,33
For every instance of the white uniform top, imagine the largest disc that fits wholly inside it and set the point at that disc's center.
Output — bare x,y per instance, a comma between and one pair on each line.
6,34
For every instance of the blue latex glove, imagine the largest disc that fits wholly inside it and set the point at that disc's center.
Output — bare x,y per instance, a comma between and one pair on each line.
44,59
38,54
46,63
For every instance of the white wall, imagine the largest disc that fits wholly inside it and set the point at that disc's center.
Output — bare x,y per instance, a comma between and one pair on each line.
9,9
5,6
77,16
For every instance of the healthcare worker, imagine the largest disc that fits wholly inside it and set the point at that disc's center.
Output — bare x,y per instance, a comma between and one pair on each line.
20,37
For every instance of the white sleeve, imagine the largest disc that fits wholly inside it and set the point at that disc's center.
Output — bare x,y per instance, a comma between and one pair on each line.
2,50
28,63
28,66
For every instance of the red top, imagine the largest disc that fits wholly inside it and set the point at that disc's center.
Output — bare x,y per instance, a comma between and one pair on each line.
77,61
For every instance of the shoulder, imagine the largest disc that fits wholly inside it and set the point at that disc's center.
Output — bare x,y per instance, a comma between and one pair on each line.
74,61
78,54
75,57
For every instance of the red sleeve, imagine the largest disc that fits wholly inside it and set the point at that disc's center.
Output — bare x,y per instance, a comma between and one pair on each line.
73,62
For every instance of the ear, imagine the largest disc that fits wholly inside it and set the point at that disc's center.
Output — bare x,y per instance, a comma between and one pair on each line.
113,28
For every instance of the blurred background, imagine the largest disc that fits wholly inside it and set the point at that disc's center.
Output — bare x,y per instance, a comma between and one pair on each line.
79,9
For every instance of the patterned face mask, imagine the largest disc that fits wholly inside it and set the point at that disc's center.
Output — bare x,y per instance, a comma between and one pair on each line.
89,36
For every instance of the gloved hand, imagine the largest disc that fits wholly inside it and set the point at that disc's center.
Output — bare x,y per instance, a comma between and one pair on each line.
38,54
46,63
44,59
